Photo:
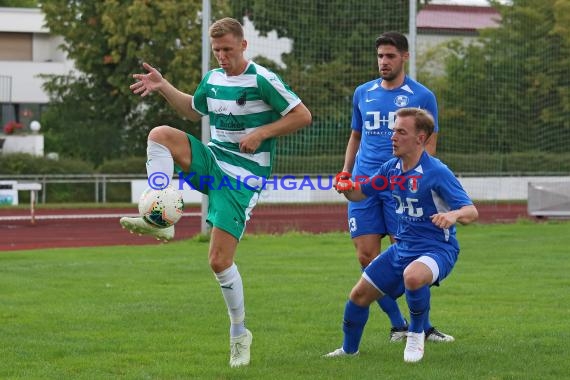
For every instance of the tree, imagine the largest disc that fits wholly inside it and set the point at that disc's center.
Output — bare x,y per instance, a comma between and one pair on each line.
509,92
92,114
19,3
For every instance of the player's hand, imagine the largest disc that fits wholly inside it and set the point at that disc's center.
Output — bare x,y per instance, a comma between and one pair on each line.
250,142
339,176
343,184
444,219
146,83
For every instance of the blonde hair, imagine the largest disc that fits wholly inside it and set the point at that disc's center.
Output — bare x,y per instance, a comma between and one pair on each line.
226,25
423,120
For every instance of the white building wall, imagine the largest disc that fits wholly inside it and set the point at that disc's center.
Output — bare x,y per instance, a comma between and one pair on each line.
26,85
46,48
47,57
22,20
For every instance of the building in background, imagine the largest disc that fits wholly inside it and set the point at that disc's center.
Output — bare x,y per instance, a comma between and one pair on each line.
26,50
437,23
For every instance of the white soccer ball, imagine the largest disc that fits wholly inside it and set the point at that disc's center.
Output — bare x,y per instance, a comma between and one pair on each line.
161,208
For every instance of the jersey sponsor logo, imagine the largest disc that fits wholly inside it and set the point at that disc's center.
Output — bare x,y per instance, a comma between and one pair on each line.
379,120
214,90
228,123
401,100
408,206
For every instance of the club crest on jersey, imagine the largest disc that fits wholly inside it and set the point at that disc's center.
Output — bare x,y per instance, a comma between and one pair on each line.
401,100
242,99
413,184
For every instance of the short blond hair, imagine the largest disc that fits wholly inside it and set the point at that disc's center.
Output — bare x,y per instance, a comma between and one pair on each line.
226,25
423,120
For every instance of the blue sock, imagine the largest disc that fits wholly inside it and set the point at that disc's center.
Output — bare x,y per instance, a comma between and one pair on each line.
355,318
390,307
418,302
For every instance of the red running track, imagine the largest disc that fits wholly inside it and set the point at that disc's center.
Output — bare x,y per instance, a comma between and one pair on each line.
54,228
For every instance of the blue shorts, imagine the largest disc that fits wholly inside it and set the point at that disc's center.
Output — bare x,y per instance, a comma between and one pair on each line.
373,216
386,271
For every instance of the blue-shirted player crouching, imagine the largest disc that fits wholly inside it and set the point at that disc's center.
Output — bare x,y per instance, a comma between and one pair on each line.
429,201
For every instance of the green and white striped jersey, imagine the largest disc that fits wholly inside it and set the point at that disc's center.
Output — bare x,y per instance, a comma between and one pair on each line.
236,106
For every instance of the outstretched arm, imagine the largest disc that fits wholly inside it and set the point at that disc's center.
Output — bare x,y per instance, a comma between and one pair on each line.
154,81
345,186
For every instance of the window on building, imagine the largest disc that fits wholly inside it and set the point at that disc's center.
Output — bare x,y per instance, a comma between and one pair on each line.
16,46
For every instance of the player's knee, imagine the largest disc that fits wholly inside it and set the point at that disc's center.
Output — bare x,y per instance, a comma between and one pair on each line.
357,297
159,134
366,255
413,280
219,263
363,295
219,266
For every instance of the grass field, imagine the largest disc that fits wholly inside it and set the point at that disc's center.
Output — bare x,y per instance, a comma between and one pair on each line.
155,312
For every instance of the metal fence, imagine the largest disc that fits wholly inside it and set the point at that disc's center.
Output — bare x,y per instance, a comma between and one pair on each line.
100,182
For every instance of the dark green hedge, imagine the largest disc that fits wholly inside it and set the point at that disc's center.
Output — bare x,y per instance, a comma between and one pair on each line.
534,163
21,163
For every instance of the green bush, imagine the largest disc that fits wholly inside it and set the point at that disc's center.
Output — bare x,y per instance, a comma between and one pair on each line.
121,192
22,163
127,165
527,163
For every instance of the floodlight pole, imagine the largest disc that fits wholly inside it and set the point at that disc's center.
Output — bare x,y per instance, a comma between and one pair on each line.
412,38
204,228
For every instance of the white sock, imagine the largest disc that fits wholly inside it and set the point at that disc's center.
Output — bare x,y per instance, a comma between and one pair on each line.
159,165
232,290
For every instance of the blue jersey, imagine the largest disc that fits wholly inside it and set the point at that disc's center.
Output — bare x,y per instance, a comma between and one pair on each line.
427,189
374,113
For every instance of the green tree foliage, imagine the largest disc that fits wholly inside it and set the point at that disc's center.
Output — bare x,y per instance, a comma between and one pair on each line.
93,114
510,91
19,3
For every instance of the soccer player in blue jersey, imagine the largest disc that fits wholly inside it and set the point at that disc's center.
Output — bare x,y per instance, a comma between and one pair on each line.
429,202
249,107
374,108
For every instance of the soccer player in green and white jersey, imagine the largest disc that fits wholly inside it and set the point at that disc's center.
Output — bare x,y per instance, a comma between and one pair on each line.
248,107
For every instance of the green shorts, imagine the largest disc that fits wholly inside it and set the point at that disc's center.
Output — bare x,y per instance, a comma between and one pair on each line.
230,203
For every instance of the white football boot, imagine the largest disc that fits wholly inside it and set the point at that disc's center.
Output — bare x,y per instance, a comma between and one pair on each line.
339,352
240,349
139,226
414,351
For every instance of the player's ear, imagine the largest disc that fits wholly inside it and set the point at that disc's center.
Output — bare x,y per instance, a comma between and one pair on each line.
422,138
243,44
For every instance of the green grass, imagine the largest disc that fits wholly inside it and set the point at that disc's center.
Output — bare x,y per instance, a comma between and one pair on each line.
155,312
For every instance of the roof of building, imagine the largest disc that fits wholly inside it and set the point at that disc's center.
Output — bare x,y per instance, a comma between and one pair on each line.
22,20
457,17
